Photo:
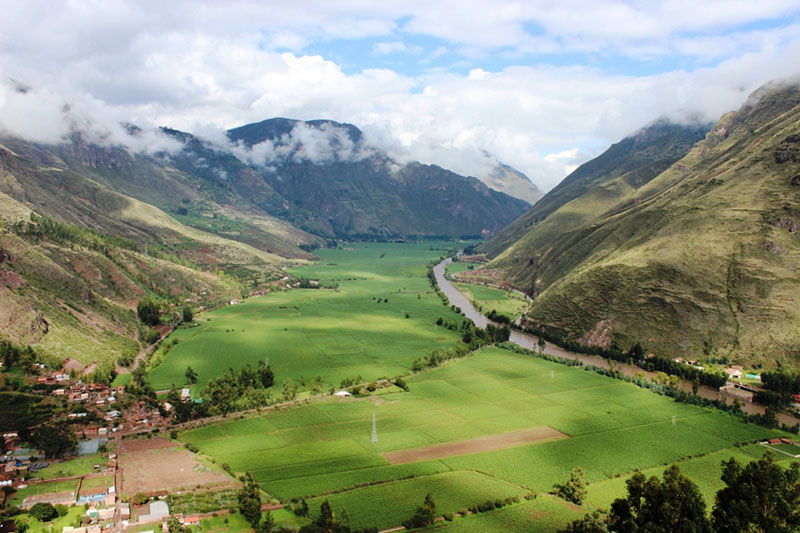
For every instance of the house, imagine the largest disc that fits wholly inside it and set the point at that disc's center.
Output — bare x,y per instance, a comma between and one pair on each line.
191,520
342,394
125,511
734,372
157,512
186,395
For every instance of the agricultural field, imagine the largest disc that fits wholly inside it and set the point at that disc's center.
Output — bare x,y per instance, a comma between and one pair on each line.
324,449
159,465
380,318
508,303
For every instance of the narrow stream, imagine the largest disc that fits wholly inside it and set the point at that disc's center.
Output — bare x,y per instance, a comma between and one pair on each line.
531,342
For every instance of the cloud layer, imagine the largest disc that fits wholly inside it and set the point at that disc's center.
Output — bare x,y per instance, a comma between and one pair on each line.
536,86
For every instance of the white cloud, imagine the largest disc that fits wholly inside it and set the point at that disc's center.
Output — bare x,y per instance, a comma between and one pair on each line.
203,67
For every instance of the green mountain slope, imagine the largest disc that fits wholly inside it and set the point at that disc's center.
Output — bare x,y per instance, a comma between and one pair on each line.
625,166
70,277
703,257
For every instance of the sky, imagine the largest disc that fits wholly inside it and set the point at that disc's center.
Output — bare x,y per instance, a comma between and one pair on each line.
540,85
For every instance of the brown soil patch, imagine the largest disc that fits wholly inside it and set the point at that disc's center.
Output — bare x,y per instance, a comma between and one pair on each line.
71,364
67,498
165,469
479,445
140,445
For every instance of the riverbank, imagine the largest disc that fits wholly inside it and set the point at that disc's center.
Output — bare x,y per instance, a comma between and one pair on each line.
531,342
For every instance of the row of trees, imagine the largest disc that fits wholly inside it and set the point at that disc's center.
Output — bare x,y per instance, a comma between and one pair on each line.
760,496
635,355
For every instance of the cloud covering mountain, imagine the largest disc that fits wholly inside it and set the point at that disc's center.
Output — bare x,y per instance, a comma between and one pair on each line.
537,86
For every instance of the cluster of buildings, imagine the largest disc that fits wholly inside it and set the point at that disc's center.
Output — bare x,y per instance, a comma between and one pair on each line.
89,393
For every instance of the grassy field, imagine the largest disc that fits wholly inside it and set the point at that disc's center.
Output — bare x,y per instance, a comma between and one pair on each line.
324,449
486,298
42,488
379,319
79,466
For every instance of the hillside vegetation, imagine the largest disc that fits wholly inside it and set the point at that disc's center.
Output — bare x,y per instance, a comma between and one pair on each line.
703,258
599,183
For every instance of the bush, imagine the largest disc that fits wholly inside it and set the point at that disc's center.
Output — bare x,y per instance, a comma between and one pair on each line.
44,512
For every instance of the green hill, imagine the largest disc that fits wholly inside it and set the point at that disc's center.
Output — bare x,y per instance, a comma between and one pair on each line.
625,166
703,257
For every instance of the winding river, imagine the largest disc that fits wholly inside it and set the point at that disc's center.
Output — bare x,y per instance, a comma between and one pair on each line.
531,342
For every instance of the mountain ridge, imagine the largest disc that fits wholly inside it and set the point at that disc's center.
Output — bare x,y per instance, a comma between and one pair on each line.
697,260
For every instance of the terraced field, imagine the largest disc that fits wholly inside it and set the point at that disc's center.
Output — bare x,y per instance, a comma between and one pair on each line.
324,449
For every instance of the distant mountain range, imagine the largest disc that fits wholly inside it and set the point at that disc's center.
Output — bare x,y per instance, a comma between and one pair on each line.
686,249
204,223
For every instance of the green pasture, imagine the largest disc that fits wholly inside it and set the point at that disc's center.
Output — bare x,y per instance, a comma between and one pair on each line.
486,298
42,488
72,518
323,449
358,329
543,515
80,466
391,503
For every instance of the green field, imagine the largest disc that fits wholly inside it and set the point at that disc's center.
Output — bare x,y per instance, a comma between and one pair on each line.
486,298
359,329
42,488
79,466
324,448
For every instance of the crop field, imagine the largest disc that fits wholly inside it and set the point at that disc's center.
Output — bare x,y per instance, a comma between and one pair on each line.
375,324
610,428
507,303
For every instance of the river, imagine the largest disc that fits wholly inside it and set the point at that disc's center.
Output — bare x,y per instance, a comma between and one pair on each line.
531,342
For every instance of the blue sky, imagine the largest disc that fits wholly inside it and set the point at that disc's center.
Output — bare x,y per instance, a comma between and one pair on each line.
542,86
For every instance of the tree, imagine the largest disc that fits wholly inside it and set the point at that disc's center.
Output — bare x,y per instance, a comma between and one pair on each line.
326,522
149,312
574,490
54,440
268,522
424,515
592,522
542,344
140,498
191,375
250,501
44,512
672,505
761,496
265,375
187,314
174,525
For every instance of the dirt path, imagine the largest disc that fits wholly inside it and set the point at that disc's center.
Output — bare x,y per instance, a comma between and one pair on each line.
481,444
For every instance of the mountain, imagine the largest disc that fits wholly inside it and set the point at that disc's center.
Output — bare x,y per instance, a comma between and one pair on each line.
511,181
336,185
625,166
701,258
76,256
87,231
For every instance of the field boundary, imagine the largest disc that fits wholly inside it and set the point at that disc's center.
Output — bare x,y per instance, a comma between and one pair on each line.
767,444
478,445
